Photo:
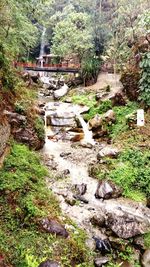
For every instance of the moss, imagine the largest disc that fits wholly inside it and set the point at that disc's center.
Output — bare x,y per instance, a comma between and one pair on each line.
147,240
24,201
39,128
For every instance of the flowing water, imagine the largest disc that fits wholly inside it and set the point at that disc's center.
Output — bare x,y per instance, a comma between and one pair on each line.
76,159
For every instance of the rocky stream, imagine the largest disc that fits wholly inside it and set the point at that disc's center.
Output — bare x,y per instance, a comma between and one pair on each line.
97,207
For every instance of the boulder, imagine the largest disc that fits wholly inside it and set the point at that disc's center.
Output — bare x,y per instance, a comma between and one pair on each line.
69,199
108,151
98,220
107,189
53,227
29,137
49,263
109,116
96,122
98,262
139,242
60,121
4,136
102,245
118,99
81,188
61,92
81,198
126,219
15,118
146,258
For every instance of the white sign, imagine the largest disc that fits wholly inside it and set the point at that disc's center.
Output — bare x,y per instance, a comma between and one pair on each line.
140,117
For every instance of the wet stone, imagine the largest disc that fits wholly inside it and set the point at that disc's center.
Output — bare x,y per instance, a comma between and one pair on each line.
98,262
53,227
107,189
49,263
98,220
81,198
146,258
81,188
102,245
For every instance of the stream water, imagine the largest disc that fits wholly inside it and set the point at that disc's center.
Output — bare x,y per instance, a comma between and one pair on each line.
69,164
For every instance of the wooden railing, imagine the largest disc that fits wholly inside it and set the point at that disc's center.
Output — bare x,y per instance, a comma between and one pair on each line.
33,65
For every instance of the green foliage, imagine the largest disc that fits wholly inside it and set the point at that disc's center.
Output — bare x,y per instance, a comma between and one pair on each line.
121,119
39,128
90,68
132,172
98,109
24,201
72,35
84,99
147,240
145,79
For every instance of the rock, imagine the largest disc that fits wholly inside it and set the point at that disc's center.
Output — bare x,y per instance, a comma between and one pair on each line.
77,137
109,116
96,122
70,200
81,188
41,104
146,258
49,263
118,243
29,137
99,96
107,189
148,202
118,99
98,262
81,198
15,118
127,220
138,241
66,172
126,263
108,151
102,245
61,92
98,220
58,121
4,136
53,227
65,154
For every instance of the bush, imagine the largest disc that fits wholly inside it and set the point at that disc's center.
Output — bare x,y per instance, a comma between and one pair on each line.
132,172
39,128
130,80
90,69
145,79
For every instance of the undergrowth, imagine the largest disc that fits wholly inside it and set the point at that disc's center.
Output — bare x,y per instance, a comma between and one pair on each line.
24,201
121,113
131,171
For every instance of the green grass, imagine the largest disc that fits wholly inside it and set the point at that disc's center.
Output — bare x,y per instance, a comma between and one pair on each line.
24,201
84,99
131,171
121,125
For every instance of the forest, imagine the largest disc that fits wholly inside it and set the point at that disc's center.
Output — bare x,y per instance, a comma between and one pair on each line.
74,133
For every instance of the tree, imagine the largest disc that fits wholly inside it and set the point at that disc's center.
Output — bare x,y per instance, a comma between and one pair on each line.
73,34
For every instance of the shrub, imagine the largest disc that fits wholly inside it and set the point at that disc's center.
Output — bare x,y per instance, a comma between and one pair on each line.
145,79
39,128
90,68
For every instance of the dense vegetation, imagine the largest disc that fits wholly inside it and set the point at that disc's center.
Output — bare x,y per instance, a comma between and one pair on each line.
112,35
26,199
